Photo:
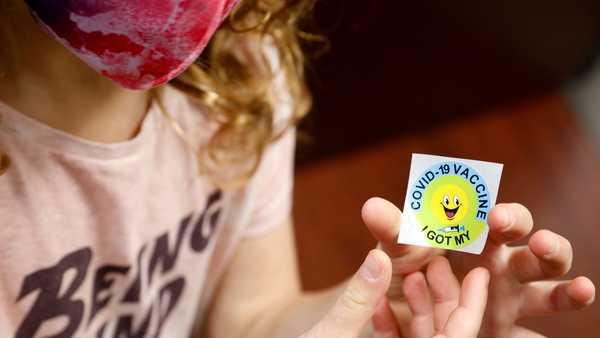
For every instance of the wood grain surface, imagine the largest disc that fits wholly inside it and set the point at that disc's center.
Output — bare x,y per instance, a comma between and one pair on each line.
550,166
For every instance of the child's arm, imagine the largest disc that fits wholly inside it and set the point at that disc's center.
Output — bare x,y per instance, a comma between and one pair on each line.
260,295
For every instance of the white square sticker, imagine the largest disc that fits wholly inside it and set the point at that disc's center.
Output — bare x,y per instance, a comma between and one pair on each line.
448,201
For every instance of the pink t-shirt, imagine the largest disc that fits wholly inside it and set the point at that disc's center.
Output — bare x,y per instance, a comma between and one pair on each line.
122,240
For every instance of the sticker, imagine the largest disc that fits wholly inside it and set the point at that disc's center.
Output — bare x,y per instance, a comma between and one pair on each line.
448,201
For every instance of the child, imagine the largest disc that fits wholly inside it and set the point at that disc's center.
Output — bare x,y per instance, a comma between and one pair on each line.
148,212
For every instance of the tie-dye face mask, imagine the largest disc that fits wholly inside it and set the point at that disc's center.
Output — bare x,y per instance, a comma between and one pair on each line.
138,43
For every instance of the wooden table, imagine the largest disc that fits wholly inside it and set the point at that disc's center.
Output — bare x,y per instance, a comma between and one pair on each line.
550,166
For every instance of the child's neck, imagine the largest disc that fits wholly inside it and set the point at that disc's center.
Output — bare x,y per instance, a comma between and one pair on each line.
40,78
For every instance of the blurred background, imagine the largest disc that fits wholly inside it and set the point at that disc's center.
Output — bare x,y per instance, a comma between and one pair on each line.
504,81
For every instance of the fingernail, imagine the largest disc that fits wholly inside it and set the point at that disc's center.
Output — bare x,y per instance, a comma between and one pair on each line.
552,251
488,276
509,220
370,269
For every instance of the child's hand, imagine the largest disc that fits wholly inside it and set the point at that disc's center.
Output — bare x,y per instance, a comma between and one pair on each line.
357,304
440,307
518,289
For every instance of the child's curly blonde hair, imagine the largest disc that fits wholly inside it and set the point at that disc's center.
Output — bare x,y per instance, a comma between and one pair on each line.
234,81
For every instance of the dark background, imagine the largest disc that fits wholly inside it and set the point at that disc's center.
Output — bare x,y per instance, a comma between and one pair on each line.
472,79
398,66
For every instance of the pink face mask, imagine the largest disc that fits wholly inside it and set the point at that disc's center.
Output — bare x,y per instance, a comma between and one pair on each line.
138,43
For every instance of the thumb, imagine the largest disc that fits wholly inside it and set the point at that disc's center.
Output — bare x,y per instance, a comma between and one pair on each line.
383,219
355,307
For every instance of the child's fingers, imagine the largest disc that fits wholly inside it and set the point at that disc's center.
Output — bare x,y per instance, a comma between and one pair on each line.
419,300
445,290
383,219
548,255
509,223
356,305
389,334
384,323
521,332
465,321
542,298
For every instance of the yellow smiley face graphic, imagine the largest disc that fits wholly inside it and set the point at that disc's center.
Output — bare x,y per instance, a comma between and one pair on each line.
447,207
450,204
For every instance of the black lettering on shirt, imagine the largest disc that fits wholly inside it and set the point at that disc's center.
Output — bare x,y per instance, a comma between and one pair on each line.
49,304
161,256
